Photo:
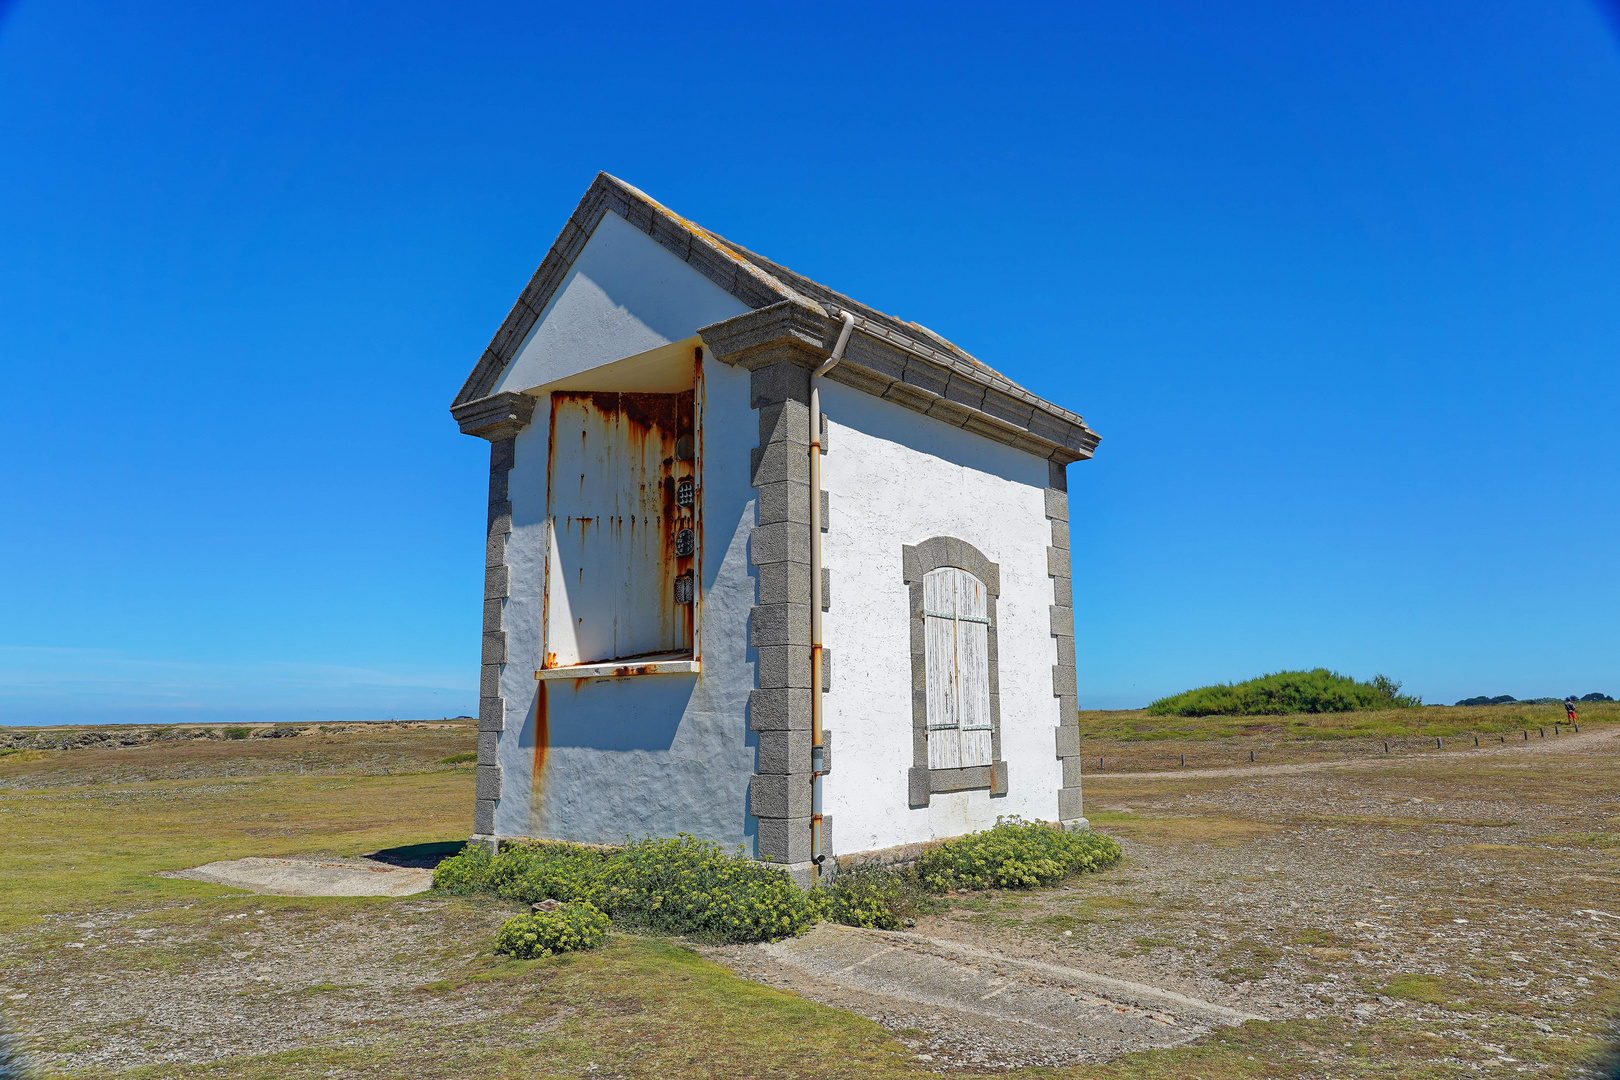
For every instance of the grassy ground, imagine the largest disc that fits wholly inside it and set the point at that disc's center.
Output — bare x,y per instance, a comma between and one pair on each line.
179,978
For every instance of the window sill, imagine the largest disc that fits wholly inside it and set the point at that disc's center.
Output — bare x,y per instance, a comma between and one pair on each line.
650,665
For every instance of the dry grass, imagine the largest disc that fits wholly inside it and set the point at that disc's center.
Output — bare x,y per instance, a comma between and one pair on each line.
1180,830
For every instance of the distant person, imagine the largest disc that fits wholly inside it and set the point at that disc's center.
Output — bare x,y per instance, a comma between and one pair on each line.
1569,707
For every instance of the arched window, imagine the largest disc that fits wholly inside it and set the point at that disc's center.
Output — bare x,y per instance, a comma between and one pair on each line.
956,628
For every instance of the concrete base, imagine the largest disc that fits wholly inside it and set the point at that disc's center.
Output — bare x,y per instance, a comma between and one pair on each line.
312,877
1062,1014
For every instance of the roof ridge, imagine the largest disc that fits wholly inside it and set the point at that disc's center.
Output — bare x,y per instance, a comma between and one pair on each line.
910,331
754,280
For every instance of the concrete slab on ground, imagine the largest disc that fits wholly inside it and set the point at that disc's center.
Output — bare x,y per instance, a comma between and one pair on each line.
312,877
1003,1010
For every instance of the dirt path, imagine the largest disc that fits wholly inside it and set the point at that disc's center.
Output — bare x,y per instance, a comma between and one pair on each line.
1575,743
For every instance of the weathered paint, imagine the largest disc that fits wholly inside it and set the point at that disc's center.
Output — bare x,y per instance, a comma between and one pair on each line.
624,295
614,467
956,632
894,478
659,753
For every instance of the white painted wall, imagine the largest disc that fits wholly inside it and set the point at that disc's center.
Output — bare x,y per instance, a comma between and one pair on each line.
625,294
895,477
656,754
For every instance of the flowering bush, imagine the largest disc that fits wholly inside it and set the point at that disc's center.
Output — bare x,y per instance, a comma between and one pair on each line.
548,871
690,886
573,926
1016,854
694,887
464,872
526,871
680,886
874,897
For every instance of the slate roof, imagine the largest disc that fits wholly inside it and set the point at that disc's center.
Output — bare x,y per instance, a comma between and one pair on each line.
924,363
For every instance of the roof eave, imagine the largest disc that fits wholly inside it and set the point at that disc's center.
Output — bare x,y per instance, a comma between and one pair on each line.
895,371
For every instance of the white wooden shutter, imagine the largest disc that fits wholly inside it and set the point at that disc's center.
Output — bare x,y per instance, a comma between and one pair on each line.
973,668
956,643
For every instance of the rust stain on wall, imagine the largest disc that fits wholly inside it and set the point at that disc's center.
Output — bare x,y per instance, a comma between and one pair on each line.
618,521
542,742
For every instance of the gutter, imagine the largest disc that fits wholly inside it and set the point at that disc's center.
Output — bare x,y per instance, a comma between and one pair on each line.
818,750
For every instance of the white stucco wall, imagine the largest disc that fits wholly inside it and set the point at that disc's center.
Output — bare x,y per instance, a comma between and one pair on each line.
658,754
625,294
895,477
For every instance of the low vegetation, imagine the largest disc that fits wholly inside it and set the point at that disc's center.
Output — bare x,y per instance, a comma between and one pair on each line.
1113,731
679,886
697,889
569,928
1509,699
1015,855
1315,691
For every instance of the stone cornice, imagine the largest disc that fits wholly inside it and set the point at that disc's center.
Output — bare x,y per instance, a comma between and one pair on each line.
886,366
784,331
499,416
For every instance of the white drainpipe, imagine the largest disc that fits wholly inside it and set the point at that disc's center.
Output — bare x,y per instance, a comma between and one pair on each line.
817,747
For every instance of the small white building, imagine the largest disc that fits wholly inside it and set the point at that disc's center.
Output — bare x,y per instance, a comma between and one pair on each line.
655,556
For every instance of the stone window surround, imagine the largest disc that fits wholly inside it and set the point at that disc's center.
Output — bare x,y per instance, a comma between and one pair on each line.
921,781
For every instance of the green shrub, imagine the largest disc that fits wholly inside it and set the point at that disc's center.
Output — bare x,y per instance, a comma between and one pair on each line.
874,897
679,886
690,886
573,926
1016,854
547,870
460,759
1284,692
236,733
463,873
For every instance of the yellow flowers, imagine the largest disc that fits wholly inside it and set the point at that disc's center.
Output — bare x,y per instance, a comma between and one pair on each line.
577,925
1016,854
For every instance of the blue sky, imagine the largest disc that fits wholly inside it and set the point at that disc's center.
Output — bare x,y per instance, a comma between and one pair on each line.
1338,285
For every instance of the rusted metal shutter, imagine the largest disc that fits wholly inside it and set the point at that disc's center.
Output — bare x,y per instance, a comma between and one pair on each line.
956,643
617,460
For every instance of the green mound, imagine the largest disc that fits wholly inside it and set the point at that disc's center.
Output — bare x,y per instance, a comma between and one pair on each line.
1285,692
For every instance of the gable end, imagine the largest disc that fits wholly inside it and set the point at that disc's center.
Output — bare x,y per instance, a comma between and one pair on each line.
691,243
